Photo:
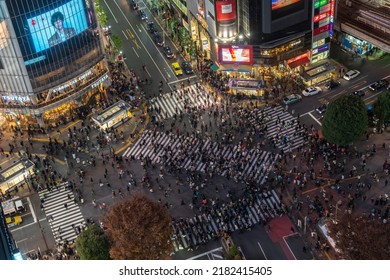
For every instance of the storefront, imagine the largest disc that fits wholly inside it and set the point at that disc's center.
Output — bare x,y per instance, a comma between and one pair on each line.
61,114
113,116
16,174
199,34
356,45
247,87
318,74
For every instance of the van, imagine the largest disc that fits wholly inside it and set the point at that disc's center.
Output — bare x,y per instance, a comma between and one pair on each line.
19,206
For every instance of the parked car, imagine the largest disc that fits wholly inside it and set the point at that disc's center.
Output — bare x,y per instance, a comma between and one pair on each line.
176,68
332,84
311,91
351,74
322,109
187,68
152,27
359,93
158,40
379,85
168,52
142,15
291,99
13,221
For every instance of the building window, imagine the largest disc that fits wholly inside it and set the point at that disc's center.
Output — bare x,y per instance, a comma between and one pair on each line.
1,64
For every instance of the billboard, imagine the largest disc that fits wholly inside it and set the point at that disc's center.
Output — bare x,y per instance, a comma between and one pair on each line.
226,10
57,25
278,4
236,54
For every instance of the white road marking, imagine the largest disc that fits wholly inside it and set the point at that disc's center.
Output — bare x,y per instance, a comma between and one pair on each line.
314,118
147,71
261,248
181,80
205,253
288,246
136,54
111,11
307,113
20,241
32,210
125,34
22,227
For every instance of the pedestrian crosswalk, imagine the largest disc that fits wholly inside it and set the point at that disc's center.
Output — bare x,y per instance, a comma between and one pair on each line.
233,161
240,215
169,104
62,212
281,127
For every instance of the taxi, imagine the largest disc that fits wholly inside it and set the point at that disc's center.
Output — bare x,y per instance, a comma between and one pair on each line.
13,221
176,68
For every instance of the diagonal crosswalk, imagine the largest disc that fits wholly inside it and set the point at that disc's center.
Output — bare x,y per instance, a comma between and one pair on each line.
65,222
203,156
167,105
242,215
281,127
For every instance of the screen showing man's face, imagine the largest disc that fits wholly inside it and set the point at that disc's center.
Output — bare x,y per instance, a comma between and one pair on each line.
69,20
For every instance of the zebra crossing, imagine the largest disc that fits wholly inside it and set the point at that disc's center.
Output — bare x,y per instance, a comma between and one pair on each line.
169,104
65,222
204,227
201,156
281,126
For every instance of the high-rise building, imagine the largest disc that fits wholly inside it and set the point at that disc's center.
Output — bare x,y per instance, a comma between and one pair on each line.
51,60
7,244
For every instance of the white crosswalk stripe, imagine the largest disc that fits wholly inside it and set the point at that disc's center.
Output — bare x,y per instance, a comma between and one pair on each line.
281,126
63,220
227,160
205,227
169,104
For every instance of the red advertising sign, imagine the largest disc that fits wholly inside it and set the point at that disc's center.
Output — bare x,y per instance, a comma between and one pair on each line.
321,29
226,10
235,54
320,17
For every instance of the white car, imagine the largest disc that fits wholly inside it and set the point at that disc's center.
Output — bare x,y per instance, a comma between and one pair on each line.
351,74
311,91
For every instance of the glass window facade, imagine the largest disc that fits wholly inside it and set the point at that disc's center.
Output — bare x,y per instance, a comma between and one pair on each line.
55,38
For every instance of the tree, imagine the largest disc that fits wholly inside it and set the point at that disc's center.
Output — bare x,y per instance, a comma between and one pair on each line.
93,244
382,108
139,229
345,120
362,238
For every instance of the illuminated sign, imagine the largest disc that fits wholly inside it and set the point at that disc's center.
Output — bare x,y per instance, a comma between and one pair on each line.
297,58
37,59
321,29
320,49
320,17
226,10
72,82
324,22
15,98
323,2
102,79
236,54
203,22
278,4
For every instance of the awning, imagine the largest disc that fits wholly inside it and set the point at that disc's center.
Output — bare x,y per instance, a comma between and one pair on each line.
235,67
299,62
214,67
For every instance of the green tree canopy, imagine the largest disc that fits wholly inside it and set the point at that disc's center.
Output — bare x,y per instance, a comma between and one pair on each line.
345,120
382,107
93,244
362,238
139,229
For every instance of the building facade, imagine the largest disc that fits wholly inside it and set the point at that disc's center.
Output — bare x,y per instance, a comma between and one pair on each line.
51,60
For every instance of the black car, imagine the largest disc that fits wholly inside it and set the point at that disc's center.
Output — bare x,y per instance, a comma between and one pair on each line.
359,93
142,15
322,109
158,40
168,52
133,4
152,27
332,84
187,68
379,85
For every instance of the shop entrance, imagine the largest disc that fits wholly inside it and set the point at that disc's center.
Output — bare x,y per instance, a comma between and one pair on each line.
60,115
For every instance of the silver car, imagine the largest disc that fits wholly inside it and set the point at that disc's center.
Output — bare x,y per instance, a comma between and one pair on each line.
291,99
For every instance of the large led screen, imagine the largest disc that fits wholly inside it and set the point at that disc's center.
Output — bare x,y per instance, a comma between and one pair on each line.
57,25
236,54
278,4
226,10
